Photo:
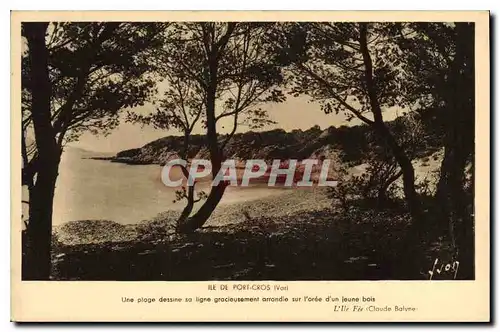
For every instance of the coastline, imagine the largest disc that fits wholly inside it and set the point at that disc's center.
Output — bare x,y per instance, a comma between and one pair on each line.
285,204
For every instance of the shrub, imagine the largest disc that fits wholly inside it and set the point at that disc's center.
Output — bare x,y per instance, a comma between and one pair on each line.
94,231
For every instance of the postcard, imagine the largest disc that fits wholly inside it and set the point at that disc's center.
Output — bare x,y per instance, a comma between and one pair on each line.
260,166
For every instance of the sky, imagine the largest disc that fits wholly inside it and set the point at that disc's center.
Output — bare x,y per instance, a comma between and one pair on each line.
294,113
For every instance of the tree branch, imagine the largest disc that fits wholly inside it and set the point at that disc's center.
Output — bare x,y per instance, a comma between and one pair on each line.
334,95
370,84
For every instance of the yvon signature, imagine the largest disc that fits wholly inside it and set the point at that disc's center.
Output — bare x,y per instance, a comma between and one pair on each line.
440,268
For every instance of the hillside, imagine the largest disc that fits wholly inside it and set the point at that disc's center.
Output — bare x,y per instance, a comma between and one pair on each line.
349,144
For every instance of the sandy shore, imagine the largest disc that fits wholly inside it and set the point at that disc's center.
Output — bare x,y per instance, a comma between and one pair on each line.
285,204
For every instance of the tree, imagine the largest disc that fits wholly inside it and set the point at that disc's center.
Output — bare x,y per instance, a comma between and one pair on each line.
356,69
410,134
441,59
76,77
230,71
382,170
353,69
39,231
181,108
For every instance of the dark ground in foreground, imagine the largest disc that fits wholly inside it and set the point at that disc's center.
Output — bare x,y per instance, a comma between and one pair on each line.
320,245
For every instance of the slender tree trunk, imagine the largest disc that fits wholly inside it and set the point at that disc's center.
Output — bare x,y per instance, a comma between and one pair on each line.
408,174
216,192
186,212
382,192
409,262
381,129
39,232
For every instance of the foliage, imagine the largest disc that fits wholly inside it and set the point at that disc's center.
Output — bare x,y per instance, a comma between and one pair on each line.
245,75
326,63
427,186
429,50
376,183
212,71
367,188
182,194
95,70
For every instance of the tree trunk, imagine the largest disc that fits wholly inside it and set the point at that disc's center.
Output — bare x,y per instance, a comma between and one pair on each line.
186,212
205,211
382,192
455,207
408,176
37,258
26,174
216,192
410,261
381,129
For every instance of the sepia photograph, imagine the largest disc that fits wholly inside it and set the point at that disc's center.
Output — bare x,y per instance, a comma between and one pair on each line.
247,150
250,166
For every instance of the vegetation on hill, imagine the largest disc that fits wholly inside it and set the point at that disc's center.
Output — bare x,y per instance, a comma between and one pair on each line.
351,143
